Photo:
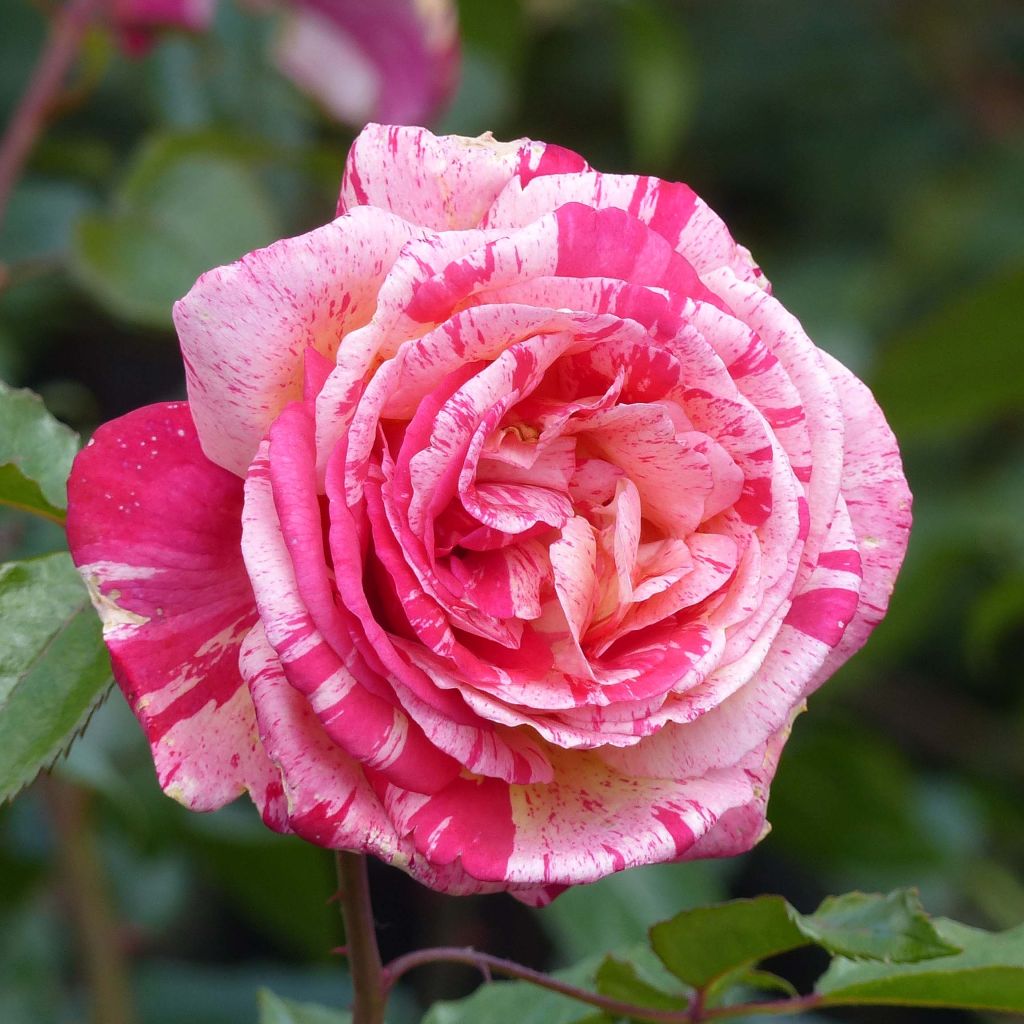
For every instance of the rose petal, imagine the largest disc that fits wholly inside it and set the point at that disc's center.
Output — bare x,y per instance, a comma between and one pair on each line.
245,327
443,183
154,528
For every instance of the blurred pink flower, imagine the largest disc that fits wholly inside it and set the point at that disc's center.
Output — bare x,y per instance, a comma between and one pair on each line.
392,60
362,60
138,20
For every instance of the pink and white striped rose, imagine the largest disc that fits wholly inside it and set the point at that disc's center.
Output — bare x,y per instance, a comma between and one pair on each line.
508,525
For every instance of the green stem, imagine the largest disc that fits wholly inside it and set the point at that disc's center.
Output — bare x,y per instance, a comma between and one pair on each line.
484,962
368,979
87,893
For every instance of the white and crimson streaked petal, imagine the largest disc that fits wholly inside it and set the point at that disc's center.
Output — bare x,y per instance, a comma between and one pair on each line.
245,328
154,528
444,183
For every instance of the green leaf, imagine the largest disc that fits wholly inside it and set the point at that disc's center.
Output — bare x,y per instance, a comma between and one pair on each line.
616,912
184,208
703,945
621,979
54,669
893,927
275,1010
741,981
699,946
958,368
987,975
36,452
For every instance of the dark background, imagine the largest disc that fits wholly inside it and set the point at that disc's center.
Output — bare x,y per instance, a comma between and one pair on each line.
871,155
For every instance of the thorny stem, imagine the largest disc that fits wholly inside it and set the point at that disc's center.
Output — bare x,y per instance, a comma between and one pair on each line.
484,962
29,118
369,984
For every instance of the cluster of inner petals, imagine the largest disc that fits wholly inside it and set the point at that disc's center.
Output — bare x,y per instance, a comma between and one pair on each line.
563,539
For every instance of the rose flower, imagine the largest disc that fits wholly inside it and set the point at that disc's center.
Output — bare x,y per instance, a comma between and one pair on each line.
507,527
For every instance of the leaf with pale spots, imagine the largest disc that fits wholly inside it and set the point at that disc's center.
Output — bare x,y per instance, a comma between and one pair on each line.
54,669
36,451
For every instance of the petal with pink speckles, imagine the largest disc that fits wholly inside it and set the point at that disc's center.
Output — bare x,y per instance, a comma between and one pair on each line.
444,183
244,328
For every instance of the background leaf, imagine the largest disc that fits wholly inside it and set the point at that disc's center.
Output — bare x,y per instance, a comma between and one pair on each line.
182,210
960,366
54,669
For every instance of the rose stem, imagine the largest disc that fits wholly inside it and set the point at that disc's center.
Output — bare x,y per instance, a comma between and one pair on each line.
486,963
29,118
368,981
86,890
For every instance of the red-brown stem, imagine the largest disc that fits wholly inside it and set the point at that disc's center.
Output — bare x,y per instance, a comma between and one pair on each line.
484,962
29,119
370,991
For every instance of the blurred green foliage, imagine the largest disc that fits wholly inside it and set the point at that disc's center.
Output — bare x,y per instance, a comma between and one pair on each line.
871,156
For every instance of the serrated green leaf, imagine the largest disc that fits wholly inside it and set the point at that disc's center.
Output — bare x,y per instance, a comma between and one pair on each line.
275,1010
36,452
701,945
959,367
621,979
987,975
869,926
54,669
183,209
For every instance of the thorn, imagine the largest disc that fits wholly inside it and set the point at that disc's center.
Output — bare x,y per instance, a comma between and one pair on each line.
340,951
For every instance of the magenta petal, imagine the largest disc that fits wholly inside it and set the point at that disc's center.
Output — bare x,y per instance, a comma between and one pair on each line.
155,529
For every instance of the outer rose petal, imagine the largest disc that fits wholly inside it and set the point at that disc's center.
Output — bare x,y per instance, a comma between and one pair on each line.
390,60
330,802
154,528
244,328
879,502
445,183
589,822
